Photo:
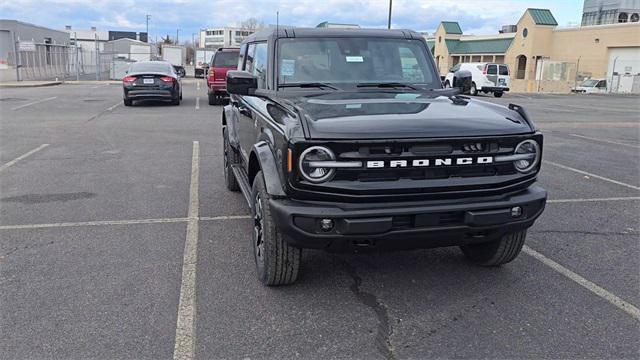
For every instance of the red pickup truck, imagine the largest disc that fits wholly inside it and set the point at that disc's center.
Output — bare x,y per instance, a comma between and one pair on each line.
223,60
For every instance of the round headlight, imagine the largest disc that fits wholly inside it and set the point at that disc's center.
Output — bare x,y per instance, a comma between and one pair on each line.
312,173
529,152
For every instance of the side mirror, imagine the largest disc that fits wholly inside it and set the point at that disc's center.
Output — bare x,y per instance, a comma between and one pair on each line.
462,80
241,83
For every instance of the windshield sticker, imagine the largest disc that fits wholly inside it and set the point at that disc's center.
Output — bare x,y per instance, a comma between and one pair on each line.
288,67
354,59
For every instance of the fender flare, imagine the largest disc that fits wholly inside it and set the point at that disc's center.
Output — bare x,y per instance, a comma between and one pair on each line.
230,121
261,152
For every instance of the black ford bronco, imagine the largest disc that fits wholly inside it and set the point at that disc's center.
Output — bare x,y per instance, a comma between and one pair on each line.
346,140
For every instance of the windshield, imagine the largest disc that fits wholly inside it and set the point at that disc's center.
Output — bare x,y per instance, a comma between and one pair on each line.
225,59
150,67
354,61
590,83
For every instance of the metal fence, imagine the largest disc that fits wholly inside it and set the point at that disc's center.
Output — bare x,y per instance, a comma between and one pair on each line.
63,62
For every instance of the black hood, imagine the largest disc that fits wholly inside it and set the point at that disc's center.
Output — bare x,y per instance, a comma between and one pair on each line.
396,115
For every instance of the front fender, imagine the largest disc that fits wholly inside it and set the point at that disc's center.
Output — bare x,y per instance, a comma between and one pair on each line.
269,167
231,122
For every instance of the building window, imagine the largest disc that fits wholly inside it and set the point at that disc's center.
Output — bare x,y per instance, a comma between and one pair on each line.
522,66
635,17
623,17
439,39
525,32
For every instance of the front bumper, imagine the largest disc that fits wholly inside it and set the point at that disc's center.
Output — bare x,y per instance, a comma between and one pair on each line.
495,88
407,225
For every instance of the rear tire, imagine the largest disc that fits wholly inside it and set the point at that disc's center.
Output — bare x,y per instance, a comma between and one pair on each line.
474,89
175,102
447,85
277,262
497,252
127,102
497,94
230,157
212,99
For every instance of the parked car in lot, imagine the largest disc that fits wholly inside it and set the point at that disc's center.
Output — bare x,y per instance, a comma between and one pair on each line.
486,77
591,86
152,80
338,144
223,60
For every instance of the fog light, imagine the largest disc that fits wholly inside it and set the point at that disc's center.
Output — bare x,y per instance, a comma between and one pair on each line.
326,224
516,211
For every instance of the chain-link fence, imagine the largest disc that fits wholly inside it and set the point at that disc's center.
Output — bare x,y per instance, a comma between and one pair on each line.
62,62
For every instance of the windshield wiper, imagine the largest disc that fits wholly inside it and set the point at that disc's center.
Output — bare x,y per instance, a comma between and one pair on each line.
388,85
309,85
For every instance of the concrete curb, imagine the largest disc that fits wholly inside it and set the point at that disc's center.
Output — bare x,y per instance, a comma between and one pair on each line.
29,84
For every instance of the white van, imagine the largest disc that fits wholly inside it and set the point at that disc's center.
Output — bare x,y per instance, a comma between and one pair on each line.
485,77
591,86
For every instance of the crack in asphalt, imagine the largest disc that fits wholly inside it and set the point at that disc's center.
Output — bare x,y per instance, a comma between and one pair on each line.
385,328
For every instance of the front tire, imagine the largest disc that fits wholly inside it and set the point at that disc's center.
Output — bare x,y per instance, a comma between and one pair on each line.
230,157
277,262
497,252
498,94
447,85
474,89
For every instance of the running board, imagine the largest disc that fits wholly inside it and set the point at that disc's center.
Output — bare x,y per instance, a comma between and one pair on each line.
243,181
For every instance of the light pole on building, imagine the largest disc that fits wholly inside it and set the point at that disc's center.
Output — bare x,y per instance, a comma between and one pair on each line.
389,22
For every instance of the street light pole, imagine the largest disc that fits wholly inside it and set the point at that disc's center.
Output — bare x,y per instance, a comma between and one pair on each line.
177,31
148,17
389,22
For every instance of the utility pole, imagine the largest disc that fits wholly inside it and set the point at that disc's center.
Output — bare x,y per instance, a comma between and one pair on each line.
389,22
148,17
177,31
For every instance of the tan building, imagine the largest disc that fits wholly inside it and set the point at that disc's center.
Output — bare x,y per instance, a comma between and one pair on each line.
543,57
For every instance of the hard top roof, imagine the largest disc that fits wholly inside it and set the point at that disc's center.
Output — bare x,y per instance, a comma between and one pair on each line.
289,32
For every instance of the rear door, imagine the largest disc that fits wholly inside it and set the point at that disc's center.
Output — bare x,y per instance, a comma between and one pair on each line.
492,74
503,75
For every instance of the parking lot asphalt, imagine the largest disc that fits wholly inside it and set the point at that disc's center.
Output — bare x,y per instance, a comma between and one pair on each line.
102,207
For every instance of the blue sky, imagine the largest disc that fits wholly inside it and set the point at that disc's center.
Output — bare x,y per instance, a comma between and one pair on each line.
475,16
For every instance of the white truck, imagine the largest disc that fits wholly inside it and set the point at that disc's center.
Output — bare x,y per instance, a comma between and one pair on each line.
203,57
176,56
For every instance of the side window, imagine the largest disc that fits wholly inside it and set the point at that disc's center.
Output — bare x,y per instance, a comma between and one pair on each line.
602,84
260,59
243,49
492,69
248,65
504,70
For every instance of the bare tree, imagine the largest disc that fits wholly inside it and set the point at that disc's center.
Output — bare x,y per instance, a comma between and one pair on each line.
250,26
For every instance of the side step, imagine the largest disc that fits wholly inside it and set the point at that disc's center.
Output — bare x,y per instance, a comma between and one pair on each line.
243,181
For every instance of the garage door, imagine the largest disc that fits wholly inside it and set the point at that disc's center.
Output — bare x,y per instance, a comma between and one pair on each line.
624,70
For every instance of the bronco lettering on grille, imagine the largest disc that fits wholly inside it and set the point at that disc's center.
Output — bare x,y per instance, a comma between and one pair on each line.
376,164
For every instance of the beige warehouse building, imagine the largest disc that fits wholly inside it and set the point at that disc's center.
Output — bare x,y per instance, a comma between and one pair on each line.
544,57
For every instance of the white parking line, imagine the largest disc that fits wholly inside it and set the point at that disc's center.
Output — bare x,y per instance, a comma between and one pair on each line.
616,301
604,141
198,85
34,102
110,108
92,223
23,156
229,217
556,201
184,346
592,175
198,103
